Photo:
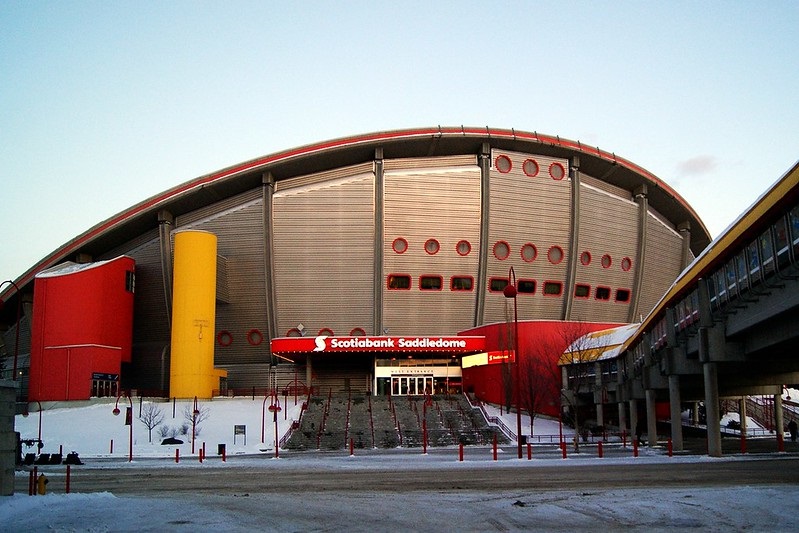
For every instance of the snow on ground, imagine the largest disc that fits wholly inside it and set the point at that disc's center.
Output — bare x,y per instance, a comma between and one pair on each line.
89,430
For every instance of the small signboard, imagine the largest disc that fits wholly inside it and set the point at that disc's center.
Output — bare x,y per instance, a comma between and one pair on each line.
240,430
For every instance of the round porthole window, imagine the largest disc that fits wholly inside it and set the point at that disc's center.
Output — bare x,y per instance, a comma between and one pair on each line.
501,250
529,252
463,247
399,245
626,264
503,164
530,168
431,246
606,261
585,258
555,255
557,171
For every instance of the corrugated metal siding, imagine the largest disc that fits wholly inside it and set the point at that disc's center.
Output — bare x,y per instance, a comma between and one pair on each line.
434,202
240,241
605,186
662,262
607,226
312,180
416,163
524,210
195,219
324,255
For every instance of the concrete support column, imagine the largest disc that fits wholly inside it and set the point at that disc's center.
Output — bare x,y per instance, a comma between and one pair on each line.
779,422
675,411
600,414
622,417
742,413
634,417
695,414
713,418
651,418
308,371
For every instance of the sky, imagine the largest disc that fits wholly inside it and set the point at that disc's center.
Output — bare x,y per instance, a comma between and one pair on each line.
89,429
105,104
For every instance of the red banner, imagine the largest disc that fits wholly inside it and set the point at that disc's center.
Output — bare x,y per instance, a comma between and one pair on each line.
324,343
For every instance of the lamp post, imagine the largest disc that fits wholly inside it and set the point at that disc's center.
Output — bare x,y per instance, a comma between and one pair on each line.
16,333
128,421
275,408
510,292
263,416
195,412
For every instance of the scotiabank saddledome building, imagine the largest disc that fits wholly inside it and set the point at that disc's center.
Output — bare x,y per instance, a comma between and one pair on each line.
371,263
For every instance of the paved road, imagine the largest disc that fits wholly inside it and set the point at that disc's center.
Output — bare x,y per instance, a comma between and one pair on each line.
305,473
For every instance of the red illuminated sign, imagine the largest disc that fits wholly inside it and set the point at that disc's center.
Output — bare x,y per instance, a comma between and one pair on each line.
501,357
324,343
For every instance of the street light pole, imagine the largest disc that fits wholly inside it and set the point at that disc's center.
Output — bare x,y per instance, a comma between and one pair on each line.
510,292
128,421
194,415
16,332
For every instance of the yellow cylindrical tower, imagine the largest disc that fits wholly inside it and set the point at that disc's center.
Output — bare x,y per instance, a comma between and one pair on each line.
192,370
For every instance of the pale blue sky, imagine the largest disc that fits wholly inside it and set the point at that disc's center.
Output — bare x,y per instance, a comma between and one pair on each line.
104,104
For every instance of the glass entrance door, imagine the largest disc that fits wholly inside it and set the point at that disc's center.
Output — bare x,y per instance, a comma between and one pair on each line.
411,385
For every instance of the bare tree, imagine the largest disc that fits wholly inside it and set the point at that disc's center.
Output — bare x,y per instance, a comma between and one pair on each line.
195,419
151,416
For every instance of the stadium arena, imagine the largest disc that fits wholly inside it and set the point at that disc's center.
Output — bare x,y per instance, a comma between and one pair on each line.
378,263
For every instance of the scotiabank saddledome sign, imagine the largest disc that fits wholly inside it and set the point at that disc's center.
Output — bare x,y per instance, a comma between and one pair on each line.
324,343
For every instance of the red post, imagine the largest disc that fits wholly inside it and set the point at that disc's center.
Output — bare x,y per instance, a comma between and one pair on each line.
529,451
352,446
635,447
495,446
31,483
200,455
624,438
460,452
112,447
743,443
670,447
780,443
224,455
424,435
177,455
68,474
35,480
599,449
563,448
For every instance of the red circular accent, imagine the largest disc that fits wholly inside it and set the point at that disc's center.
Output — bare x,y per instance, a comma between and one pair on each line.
556,171
499,252
293,332
529,252
326,331
357,332
431,246
399,245
503,164
255,337
224,338
626,264
530,167
555,255
585,258
606,261
463,248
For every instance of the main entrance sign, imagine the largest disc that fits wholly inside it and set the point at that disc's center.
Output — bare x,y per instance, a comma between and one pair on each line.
322,343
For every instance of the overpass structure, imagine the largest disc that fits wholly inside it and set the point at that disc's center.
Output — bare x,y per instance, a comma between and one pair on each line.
727,328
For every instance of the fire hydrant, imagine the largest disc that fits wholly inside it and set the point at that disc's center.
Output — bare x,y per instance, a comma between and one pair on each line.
41,484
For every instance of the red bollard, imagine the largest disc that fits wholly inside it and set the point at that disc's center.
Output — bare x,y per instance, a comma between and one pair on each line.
670,447
67,481
200,455
780,443
224,455
635,447
529,451
177,455
563,448
460,452
31,483
624,438
495,446
599,450
743,443
352,447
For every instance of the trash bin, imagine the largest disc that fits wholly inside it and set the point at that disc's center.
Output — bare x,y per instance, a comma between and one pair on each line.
220,449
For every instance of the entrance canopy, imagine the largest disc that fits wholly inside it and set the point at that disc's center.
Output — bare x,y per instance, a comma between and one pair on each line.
297,349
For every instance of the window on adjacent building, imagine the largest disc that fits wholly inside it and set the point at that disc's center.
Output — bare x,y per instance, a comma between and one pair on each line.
525,286
430,283
582,291
622,295
461,283
553,288
399,281
497,284
602,293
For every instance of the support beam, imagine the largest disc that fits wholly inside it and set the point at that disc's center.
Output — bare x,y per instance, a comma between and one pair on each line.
651,418
713,419
622,418
675,404
634,418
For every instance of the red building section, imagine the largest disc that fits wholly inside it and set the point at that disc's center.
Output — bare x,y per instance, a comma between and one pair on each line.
82,329
541,343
